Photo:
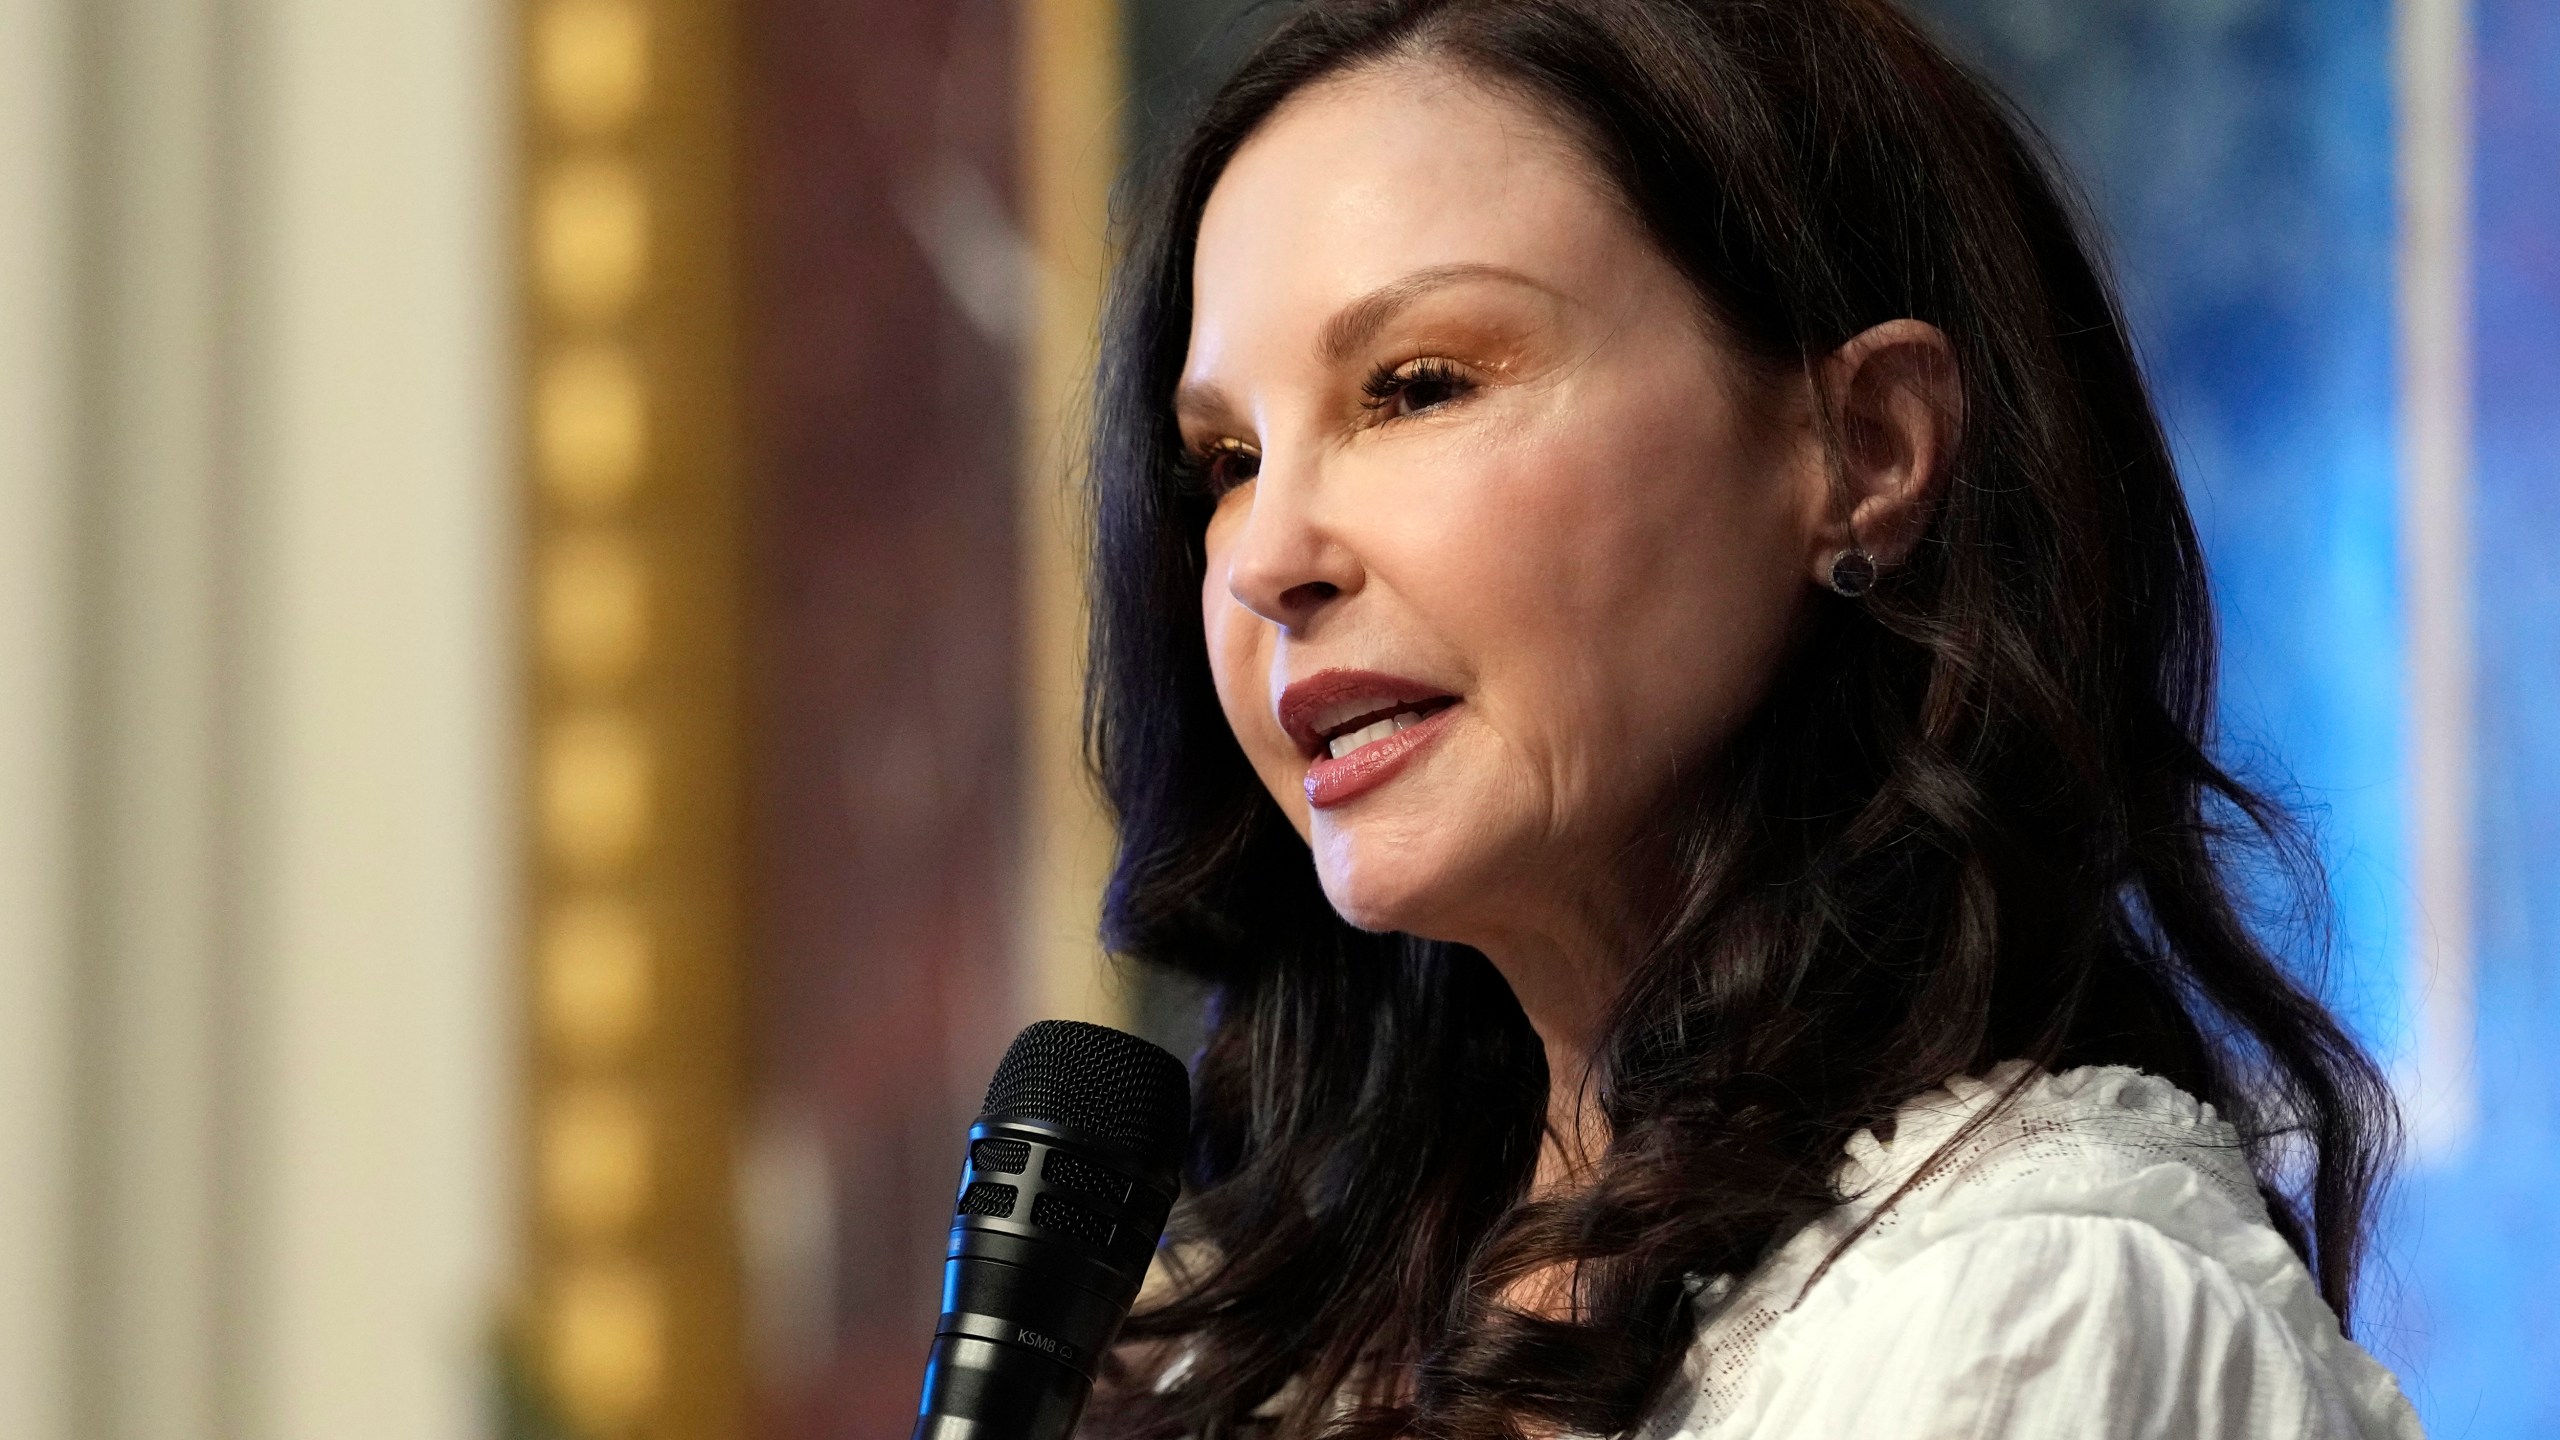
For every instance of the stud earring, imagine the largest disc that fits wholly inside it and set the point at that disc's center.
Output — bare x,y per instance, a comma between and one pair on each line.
1853,572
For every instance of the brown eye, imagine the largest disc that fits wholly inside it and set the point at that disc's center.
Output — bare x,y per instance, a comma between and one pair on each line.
1425,394
1414,387
1229,464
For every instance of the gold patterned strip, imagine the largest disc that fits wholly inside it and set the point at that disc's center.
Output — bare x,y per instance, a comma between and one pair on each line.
632,732
591,426
1072,76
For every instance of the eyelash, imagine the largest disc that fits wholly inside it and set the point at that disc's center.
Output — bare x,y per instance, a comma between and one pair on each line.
1209,472
1210,467
1389,384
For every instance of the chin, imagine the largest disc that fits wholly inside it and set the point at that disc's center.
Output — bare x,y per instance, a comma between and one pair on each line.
1407,890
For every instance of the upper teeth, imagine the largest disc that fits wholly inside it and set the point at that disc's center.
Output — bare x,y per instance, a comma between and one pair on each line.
1374,731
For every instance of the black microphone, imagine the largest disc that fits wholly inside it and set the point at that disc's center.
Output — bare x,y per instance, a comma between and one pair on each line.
1073,1164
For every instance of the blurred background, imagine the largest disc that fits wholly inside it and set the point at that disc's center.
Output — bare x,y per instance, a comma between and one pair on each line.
537,658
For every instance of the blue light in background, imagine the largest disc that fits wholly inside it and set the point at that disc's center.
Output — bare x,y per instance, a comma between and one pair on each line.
2480,1257
2238,154
2238,159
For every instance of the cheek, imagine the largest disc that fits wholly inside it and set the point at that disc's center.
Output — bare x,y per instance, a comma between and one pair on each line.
1628,584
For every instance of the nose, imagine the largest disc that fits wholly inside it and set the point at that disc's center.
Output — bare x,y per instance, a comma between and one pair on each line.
1288,564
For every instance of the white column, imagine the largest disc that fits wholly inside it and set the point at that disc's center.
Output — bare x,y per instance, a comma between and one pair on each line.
37,537
379,491
255,693
2432,44
151,725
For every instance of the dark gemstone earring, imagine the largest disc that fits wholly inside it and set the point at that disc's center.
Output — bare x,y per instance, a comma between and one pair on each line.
1853,572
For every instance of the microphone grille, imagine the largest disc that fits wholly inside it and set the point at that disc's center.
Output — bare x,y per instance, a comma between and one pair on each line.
1102,1082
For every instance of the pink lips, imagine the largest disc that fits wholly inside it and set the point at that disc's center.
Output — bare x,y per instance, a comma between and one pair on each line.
1334,699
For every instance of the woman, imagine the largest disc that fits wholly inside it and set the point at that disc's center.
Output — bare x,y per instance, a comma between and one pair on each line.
1653,496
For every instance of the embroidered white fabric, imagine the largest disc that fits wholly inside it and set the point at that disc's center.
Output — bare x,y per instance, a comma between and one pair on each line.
2093,1262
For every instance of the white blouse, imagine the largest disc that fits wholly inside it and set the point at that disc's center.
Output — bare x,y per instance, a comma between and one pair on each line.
2093,1263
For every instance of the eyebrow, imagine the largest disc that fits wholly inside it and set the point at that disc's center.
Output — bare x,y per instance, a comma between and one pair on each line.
1359,322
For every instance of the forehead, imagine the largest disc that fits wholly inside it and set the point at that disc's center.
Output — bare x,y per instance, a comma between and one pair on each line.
1365,178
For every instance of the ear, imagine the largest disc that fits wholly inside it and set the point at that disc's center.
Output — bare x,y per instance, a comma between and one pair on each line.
1897,401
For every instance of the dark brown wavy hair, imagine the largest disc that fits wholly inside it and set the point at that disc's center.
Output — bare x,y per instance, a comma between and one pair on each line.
1975,819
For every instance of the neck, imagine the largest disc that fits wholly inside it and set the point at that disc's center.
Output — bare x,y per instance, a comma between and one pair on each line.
1565,990
1577,1133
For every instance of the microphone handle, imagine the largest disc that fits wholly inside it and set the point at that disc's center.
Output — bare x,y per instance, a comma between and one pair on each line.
1015,1352
978,1389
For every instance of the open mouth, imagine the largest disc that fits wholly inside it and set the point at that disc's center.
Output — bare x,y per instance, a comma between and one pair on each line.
1360,728
1362,731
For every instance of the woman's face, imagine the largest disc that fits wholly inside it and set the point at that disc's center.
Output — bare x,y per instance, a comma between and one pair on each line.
1507,537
